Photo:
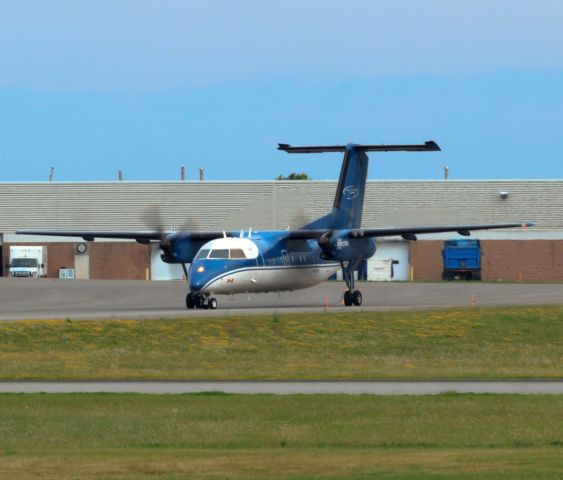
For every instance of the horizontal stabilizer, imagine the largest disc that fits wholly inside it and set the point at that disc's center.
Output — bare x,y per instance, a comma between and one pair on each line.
429,146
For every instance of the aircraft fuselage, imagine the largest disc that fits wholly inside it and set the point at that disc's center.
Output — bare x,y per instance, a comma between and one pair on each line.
265,262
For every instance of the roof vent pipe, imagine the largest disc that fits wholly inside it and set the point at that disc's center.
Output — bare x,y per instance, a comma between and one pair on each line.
201,174
52,174
120,175
183,173
446,172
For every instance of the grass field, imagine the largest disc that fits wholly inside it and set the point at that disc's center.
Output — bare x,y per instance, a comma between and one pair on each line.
462,343
230,436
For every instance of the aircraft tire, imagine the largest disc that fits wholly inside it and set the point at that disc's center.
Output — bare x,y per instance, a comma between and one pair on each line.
190,304
348,298
199,301
212,303
357,298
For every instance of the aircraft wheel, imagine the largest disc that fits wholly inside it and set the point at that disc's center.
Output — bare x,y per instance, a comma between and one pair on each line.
190,301
199,301
348,298
357,298
212,303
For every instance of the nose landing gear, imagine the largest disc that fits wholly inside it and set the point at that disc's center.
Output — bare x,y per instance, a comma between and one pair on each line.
351,296
200,300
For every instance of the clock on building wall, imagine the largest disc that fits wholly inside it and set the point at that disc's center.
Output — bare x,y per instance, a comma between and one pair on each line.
81,248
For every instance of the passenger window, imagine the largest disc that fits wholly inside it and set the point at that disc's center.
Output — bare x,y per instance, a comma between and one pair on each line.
219,253
202,254
237,253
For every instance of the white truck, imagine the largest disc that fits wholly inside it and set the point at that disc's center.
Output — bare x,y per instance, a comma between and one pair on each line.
28,261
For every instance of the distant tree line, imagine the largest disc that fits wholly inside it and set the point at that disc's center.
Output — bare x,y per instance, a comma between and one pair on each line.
294,176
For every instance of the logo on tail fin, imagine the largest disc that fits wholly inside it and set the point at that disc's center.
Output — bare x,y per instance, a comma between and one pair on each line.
351,192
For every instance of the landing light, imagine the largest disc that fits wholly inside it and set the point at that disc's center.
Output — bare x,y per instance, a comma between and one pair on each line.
200,269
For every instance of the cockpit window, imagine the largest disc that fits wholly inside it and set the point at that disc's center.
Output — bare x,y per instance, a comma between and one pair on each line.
203,253
237,253
219,253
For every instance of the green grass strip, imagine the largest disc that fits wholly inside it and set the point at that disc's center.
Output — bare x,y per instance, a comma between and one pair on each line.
438,344
262,436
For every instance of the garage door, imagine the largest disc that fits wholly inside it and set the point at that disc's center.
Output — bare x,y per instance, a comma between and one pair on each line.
398,253
164,271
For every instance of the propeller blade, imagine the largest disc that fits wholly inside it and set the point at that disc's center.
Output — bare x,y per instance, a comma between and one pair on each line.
153,220
299,219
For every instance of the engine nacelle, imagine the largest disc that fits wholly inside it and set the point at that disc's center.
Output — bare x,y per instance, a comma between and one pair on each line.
342,248
179,248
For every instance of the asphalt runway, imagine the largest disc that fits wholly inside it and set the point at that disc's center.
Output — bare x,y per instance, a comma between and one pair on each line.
23,298
288,387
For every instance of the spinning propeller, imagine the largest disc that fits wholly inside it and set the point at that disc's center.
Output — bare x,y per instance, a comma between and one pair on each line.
152,217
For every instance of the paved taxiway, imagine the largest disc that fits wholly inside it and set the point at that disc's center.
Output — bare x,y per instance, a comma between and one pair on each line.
53,298
288,387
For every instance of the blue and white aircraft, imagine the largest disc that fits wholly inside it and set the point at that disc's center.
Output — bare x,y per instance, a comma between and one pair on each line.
284,260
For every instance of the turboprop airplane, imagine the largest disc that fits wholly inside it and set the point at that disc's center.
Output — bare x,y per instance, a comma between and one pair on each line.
284,260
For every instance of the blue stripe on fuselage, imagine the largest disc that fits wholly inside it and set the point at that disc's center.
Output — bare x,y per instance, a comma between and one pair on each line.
213,268
278,267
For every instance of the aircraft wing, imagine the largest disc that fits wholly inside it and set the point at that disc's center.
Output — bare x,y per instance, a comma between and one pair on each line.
141,236
410,233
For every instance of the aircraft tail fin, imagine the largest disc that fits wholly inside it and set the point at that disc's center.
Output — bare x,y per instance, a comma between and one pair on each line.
349,199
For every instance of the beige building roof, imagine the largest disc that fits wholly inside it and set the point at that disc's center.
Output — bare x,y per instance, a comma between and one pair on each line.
274,204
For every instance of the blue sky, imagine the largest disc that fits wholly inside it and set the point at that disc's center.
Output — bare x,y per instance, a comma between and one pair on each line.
93,87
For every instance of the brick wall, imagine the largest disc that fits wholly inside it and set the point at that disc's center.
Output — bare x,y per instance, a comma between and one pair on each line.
513,260
425,257
119,260
109,260
536,260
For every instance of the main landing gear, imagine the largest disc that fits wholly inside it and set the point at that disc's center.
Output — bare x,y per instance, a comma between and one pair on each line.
200,300
351,296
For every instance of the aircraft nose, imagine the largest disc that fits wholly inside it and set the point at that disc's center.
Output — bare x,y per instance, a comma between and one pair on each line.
197,278
195,285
